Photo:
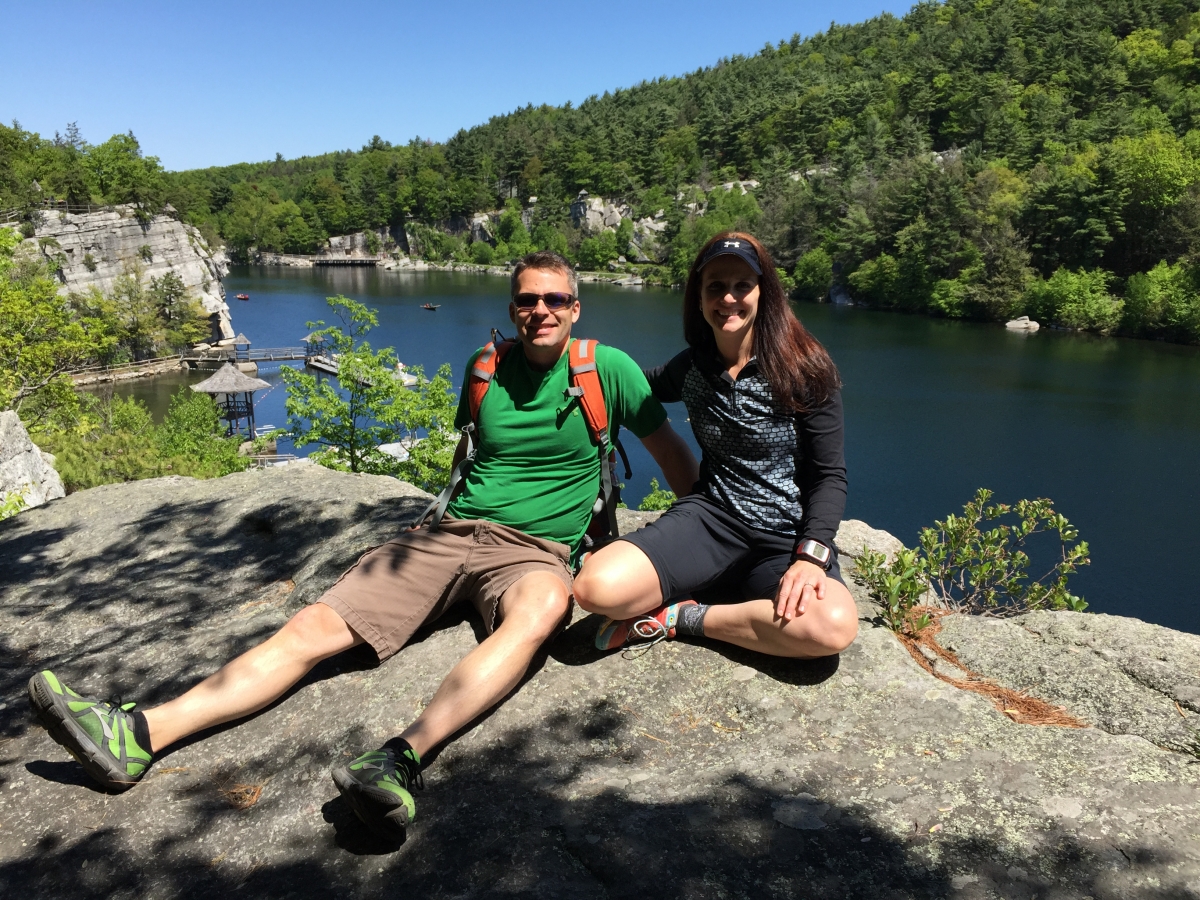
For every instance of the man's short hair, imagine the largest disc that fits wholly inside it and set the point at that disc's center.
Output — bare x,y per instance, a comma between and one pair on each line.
545,259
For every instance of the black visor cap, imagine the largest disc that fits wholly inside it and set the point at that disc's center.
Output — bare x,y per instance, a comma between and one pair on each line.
732,247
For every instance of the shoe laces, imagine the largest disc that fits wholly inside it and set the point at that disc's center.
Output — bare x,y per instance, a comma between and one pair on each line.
651,631
114,704
406,771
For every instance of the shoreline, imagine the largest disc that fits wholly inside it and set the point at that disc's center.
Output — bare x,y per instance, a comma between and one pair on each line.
408,264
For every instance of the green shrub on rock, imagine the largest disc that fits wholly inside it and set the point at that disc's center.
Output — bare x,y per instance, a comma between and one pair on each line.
984,571
657,499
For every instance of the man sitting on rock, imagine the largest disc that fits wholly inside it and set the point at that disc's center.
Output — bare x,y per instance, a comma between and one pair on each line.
506,543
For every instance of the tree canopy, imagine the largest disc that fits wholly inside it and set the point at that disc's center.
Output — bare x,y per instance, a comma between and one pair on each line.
948,161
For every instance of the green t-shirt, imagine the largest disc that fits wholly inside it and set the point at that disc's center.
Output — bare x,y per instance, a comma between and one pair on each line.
537,469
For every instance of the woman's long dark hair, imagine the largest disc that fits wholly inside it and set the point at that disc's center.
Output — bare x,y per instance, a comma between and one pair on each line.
797,367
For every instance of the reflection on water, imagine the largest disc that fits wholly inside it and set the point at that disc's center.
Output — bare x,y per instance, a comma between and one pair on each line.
1107,428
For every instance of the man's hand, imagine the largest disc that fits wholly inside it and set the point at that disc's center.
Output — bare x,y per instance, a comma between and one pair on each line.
674,457
801,584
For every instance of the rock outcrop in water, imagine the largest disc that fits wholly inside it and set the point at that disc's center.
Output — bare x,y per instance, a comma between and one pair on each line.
694,770
94,249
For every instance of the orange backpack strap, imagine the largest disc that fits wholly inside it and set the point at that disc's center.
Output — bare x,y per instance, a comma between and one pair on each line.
585,384
482,373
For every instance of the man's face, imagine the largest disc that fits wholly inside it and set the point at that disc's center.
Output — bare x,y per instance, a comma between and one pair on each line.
539,327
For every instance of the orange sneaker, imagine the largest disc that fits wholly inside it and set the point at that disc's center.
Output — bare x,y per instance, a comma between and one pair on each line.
656,625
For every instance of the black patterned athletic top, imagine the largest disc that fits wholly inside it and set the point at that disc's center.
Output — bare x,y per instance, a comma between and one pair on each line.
776,470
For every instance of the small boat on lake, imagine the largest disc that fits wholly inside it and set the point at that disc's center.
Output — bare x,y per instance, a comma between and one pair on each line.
243,296
430,306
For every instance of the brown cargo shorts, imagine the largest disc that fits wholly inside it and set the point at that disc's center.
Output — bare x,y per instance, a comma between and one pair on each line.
395,589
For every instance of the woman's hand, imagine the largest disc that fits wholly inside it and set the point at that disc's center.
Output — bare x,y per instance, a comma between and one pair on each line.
801,583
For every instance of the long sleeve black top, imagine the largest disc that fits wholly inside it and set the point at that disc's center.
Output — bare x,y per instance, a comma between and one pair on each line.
776,470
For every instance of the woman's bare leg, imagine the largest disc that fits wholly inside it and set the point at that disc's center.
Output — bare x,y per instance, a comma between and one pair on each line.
620,582
828,625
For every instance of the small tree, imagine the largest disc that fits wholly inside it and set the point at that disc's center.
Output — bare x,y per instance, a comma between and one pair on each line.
370,406
813,275
977,570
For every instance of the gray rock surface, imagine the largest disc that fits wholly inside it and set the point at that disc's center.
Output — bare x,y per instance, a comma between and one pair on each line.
694,770
111,240
1122,675
23,466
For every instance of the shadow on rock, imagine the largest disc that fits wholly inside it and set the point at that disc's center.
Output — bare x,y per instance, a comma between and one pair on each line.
530,816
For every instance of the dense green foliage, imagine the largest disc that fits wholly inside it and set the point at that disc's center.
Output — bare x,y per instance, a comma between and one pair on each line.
367,406
975,158
973,570
41,337
44,335
11,503
67,168
118,441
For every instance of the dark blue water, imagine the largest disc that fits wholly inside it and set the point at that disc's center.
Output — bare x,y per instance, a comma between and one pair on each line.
1107,428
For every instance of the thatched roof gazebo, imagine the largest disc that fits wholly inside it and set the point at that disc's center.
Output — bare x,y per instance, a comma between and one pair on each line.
229,381
241,347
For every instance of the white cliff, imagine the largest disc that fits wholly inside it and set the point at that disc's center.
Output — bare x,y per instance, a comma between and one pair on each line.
94,249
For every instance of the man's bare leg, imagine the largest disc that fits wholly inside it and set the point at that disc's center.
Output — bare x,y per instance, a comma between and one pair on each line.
530,612
255,679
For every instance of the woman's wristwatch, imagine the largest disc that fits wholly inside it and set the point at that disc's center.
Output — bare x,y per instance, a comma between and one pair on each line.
814,552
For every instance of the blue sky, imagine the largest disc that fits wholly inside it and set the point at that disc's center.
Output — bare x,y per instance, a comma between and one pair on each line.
212,83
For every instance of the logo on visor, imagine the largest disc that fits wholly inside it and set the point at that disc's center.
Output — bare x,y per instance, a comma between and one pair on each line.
736,244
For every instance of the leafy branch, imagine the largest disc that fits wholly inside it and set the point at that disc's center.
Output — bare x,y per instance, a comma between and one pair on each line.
963,567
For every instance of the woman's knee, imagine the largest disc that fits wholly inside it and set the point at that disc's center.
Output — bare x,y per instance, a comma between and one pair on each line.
838,621
608,582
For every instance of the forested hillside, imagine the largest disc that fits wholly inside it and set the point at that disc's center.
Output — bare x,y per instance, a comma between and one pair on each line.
974,159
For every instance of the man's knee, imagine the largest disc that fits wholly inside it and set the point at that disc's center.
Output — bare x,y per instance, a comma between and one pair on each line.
317,631
539,607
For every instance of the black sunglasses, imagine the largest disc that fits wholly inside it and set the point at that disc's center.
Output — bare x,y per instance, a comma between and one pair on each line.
553,300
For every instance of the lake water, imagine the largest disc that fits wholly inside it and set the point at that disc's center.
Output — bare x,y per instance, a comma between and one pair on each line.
1108,428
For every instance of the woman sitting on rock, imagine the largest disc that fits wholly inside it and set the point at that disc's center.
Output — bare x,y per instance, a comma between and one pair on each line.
754,539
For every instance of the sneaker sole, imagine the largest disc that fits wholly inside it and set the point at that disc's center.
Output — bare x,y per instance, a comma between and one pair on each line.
50,709
384,815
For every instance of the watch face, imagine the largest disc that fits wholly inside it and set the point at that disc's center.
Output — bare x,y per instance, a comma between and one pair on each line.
815,550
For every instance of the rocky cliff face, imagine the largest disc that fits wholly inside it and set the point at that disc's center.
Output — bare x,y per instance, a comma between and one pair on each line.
593,215
95,248
24,468
694,770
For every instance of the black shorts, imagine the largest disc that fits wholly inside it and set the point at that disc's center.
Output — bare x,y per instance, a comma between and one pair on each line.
699,550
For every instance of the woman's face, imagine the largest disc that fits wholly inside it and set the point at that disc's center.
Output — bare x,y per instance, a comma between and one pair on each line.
729,296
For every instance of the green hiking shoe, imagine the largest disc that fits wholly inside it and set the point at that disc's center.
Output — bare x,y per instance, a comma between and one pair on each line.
376,785
98,733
